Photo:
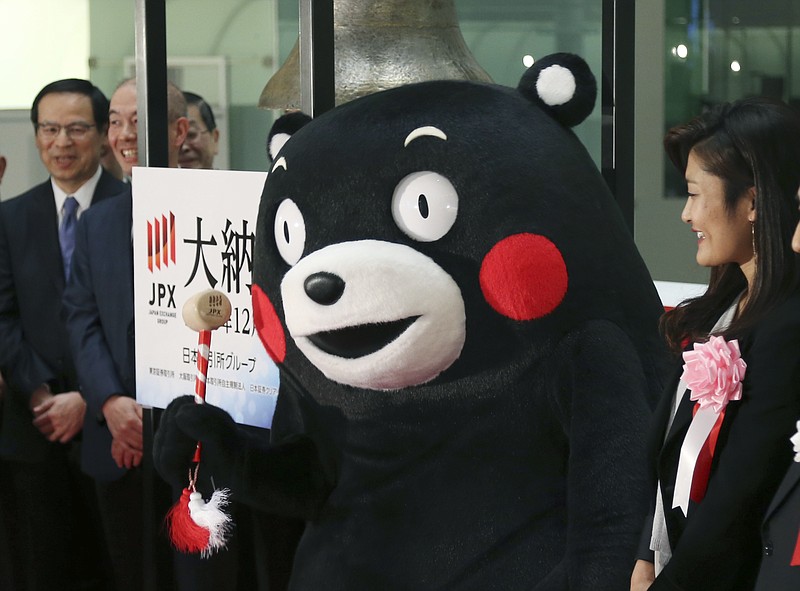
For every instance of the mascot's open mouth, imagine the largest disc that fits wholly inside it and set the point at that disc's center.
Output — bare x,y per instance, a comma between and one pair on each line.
358,341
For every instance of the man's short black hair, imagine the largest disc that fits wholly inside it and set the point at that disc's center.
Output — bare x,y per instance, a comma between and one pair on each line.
205,111
76,86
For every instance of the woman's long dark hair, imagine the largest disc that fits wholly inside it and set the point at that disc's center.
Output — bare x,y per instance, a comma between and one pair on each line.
749,143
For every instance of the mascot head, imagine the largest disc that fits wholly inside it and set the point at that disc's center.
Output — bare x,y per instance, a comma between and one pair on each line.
440,231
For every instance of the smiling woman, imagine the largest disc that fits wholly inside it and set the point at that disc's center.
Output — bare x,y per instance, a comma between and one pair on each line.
723,235
718,468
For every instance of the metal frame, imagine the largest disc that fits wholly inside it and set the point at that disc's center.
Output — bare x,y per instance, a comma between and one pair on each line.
151,104
151,81
317,84
617,102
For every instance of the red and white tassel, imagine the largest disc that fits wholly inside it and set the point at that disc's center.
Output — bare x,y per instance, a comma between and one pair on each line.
197,526
184,533
210,515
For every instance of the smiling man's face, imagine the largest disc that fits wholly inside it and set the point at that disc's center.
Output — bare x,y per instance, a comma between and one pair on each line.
122,134
70,157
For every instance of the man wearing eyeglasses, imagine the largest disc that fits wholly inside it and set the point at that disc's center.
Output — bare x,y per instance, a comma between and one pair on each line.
43,411
202,141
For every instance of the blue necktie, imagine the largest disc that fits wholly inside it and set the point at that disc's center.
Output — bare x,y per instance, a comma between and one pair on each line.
66,232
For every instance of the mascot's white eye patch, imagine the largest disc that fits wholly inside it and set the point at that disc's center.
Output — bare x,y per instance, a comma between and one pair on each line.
426,131
290,231
425,206
280,163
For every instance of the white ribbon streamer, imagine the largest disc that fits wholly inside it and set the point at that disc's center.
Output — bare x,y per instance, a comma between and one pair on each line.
795,439
699,430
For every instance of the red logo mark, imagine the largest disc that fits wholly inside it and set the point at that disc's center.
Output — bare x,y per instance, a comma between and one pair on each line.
160,242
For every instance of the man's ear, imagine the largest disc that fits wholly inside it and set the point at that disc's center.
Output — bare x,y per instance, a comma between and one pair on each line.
2,166
181,131
215,137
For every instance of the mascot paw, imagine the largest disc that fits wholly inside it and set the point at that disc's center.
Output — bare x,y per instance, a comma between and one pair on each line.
182,425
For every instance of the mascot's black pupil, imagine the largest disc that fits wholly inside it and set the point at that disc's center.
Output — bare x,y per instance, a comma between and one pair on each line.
423,206
286,231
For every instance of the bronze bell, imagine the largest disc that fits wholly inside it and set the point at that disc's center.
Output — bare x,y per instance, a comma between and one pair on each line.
381,44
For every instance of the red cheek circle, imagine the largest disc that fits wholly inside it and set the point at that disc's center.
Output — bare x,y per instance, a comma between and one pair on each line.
268,325
524,277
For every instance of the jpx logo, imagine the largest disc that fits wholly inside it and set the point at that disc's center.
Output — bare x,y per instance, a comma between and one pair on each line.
160,242
162,295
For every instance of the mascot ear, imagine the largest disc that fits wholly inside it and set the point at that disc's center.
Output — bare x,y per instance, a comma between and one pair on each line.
562,85
283,129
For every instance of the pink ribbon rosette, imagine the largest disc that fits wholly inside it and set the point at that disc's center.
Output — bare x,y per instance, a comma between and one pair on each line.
713,372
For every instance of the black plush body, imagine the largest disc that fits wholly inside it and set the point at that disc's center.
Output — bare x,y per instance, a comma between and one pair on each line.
467,343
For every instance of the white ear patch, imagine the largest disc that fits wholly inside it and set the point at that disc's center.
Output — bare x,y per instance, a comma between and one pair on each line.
555,85
277,142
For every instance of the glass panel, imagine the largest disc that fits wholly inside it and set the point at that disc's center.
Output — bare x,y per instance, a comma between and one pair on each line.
252,38
26,61
698,41
502,32
223,51
722,50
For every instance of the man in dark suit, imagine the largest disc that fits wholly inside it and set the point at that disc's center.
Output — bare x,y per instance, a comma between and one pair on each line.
98,306
42,411
780,531
780,559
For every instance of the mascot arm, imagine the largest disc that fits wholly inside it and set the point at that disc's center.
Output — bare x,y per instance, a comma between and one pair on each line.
284,479
600,396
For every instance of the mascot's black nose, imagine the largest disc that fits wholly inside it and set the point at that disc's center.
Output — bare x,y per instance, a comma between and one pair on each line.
324,288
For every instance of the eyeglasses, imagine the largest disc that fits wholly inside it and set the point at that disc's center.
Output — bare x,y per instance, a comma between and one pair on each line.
194,134
75,131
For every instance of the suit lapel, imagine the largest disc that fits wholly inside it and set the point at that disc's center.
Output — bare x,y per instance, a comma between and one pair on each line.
789,483
43,233
670,452
121,234
107,186
682,416
42,226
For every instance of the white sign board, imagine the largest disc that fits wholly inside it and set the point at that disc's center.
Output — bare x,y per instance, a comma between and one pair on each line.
194,230
673,293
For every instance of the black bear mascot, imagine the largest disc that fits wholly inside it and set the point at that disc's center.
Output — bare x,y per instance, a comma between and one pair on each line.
467,343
